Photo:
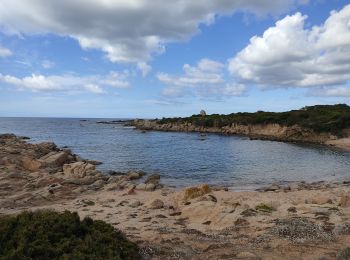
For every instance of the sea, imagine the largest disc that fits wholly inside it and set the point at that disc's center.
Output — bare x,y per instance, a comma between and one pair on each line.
184,159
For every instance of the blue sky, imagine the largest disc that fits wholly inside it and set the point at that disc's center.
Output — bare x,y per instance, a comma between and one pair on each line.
138,58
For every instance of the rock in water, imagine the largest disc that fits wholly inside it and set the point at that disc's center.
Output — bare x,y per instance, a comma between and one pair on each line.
154,179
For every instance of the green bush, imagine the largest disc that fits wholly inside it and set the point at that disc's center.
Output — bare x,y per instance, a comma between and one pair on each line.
320,118
53,235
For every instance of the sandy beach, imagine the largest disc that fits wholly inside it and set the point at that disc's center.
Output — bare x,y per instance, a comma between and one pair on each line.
296,221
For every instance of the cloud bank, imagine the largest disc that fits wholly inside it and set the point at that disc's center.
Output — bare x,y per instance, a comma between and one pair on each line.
68,83
126,30
292,55
206,79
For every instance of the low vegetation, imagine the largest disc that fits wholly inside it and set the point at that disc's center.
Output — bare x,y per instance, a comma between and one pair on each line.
265,208
320,118
301,230
52,235
344,254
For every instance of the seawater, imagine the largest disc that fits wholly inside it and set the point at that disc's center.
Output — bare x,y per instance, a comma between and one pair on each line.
185,159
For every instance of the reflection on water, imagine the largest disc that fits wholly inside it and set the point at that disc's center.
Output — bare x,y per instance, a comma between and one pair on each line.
187,158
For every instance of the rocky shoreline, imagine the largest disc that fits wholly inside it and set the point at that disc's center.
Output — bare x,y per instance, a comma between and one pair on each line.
296,221
271,132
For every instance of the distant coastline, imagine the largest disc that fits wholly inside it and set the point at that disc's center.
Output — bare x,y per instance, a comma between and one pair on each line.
329,125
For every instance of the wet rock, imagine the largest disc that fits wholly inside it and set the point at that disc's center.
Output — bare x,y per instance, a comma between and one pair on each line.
153,179
134,175
156,204
273,187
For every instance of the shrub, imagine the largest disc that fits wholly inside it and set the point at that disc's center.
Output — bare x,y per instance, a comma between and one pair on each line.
265,208
53,235
344,254
320,118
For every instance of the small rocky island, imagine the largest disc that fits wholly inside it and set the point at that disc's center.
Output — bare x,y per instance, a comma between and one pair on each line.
322,124
200,222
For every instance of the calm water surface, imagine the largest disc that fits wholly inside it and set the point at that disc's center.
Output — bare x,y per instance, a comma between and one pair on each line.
183,158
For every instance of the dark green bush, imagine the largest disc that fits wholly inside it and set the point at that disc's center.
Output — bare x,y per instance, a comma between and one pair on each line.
320,118
53,235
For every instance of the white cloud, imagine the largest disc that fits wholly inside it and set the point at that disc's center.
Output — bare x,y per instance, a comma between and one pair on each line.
127,31
339,91
67,83
4,52
290,55
144,68
204,79
47,64
93,88
117,79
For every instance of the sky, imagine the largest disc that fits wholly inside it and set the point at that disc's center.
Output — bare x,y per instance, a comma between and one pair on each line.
162,58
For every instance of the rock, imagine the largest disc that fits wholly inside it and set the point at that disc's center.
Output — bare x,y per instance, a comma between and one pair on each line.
241,222
135,204
154,179
115,179
146,187
156,204
195,192
321,199
246,255
15,175
135,175
292,209
56,159
212,198
98,184
5,161
81,181
249,213
175,214
161,216
131,190
31,164
345,201
206,222
93,162
88,202
53,187
273,187
79,169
